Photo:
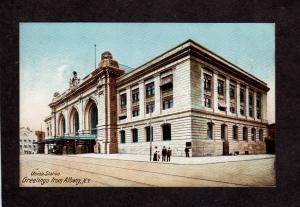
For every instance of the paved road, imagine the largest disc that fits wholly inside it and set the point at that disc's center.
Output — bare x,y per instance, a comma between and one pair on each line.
70,171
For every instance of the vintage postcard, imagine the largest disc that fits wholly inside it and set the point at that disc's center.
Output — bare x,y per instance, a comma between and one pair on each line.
147,105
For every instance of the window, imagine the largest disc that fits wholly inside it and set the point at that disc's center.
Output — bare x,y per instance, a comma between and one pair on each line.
242,111
210,130
223,131
221,87
122,135
167,92
253,134
149,107
134,135
232,109
167,104
258,106
245,133
135,96
251,104
242,95
261,133
123,100
232,92
166,129
149,133
250,111
135,112
149,90
207,101
207,82
235,132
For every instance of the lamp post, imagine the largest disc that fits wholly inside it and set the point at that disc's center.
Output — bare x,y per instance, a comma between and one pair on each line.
150,135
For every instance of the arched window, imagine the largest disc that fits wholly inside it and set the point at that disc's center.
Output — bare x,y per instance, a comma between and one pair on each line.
235,132
261,133
61,125
245,134
134,135
253,134
166,130
74,121
122,136
210,130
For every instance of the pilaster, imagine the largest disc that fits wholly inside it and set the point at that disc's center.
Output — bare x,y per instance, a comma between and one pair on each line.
142,99
157,106
128,95
238,99
247,102
215,92
227,95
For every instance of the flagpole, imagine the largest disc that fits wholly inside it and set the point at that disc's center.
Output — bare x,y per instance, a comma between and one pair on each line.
95,46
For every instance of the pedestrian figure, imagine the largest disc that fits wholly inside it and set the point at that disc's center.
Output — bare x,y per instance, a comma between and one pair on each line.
158,155
186,151
164,154
155,155
169,153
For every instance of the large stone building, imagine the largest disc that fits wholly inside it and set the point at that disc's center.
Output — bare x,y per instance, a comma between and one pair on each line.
27,139
186,97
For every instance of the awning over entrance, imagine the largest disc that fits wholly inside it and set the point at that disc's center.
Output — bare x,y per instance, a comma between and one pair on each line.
83,137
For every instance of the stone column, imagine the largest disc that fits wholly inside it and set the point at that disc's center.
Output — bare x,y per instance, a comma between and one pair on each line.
215,92
227,95
142,99
157,98
238,99
67,122
264,106
254,105
247,101
128,97
81,116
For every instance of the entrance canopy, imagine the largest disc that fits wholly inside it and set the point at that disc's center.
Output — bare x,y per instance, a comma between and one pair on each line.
83,137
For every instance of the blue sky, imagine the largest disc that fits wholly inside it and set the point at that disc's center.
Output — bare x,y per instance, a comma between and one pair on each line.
49,52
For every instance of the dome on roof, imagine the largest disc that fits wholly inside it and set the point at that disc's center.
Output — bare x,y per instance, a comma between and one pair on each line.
107,60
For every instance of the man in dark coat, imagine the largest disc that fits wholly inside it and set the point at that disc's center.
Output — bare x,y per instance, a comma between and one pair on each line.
187,152
164,154
169,153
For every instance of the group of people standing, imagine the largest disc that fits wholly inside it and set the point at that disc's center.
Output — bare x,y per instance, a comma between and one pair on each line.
166,153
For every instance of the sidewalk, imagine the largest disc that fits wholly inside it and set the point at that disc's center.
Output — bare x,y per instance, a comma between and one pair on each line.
178,160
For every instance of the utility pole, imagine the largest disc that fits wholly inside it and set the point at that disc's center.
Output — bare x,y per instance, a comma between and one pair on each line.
150,134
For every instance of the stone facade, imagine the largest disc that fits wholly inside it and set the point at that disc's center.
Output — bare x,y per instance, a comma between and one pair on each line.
189,96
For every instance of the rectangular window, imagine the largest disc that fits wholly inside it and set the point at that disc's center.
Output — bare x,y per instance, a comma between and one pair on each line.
242,95
167,104
209,131
123,99
166,128
232,109
135,95
235,132
134,135
122,135
135,112
207,82
221,87
207,101
150,90
232,92
149,133
258,106
245,134
150,108
250,111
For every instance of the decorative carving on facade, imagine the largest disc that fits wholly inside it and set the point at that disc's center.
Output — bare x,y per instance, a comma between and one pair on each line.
74,81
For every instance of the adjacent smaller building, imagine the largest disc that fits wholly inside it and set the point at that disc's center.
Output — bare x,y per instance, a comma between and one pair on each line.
27,139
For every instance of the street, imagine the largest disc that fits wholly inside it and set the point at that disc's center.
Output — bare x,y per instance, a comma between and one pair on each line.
75,171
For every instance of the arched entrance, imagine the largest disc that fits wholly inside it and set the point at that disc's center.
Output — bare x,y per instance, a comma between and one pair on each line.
74,122
91,122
